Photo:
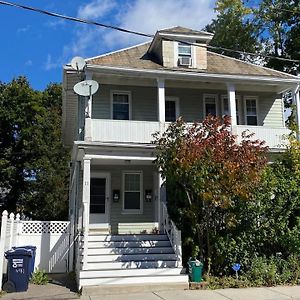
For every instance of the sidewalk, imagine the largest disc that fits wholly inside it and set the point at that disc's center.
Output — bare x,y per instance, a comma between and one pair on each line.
273,293
56,292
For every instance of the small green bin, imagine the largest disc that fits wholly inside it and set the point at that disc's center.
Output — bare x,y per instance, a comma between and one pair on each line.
195,270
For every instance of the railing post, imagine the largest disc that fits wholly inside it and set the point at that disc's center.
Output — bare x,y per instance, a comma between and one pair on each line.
86,207
2,243
179,249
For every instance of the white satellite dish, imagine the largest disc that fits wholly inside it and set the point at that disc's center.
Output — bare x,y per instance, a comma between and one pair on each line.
78,63
86,88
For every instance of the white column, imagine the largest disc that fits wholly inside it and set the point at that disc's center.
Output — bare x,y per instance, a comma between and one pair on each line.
232,103
161,99
297,104
86,206
88,113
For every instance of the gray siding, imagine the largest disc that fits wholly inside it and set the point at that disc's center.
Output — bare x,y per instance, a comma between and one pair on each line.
144,104
116,215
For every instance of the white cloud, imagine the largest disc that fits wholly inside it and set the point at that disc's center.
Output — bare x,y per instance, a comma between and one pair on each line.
96,9
23,29
28,63
149,16
145,16
50,64
55,24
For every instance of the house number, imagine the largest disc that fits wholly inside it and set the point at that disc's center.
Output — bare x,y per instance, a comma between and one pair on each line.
86,183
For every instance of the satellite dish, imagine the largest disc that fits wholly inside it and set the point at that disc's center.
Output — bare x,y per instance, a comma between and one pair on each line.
78,63
86,88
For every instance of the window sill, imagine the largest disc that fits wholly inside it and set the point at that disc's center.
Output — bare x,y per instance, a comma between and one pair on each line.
132,212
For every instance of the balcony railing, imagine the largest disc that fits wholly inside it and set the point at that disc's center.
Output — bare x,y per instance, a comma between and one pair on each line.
141,132
275,138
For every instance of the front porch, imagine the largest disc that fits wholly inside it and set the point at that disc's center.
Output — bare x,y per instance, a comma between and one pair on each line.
124,235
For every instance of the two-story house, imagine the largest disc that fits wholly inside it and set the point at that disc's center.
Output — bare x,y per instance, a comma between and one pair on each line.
116,194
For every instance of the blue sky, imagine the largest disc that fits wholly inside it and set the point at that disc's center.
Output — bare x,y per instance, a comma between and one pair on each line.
38,46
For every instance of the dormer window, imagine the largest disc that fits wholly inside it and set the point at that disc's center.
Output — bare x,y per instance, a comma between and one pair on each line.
184,54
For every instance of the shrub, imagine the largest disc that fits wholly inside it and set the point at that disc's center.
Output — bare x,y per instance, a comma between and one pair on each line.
39,277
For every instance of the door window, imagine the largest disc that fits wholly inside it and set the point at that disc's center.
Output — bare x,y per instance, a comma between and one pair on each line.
97,195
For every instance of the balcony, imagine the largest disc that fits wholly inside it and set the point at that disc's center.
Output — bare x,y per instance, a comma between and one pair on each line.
105,130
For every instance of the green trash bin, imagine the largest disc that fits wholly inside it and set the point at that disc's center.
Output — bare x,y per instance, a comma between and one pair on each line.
195,270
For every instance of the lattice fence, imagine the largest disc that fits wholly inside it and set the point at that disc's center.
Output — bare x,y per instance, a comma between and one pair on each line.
51,227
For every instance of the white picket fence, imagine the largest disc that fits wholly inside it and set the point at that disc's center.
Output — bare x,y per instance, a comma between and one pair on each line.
51,239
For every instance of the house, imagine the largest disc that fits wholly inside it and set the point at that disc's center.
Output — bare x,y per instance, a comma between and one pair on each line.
116,196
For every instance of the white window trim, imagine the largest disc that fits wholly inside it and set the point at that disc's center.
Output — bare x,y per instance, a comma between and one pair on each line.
245,98
121,92
239,108
193,54
177,106
204,102
132,211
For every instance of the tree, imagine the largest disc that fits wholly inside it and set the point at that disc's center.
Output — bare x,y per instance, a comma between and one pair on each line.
207,171
33,163
279,23
234,29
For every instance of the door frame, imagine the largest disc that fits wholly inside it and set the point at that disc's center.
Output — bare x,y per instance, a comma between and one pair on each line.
106,175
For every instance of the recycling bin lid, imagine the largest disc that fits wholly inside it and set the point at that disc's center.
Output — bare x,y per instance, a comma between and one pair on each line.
18,251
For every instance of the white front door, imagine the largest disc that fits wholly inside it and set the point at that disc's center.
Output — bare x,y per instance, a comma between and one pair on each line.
99,200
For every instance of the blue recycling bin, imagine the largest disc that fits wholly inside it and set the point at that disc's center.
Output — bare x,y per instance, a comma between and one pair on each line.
32,261
18,265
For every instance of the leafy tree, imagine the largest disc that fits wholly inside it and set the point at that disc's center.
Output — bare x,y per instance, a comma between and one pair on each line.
234,29
207,171
33,163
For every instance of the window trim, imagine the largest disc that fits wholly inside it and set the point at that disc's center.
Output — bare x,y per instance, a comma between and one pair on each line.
177,106
120,92
132,211
245,98
193,54
238,106
215,96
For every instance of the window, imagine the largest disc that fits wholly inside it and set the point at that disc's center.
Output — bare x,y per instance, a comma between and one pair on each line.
171,109
184,50
210,106
132,191
225,108
97,196
120,105
251,110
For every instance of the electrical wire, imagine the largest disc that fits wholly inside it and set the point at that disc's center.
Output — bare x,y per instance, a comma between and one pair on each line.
89,22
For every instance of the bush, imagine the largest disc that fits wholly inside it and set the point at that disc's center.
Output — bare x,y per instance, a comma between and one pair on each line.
39,277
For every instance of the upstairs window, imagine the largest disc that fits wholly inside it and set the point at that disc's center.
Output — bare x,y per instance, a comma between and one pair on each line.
184,50
171,109
225,107
210,105
184,54
120,105
251,110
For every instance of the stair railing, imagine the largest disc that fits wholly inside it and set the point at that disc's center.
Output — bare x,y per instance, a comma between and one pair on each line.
173,233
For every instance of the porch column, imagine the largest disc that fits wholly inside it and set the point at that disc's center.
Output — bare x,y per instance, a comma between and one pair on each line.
232,103
88,113
297,104
161,197
86,205
161,100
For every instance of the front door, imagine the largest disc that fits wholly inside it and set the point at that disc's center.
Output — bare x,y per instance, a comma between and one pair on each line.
99,200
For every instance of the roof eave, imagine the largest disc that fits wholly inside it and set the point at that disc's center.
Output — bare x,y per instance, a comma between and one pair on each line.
166,74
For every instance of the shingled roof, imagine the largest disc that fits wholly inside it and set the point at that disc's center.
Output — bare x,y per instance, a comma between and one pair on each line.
138,58
180,29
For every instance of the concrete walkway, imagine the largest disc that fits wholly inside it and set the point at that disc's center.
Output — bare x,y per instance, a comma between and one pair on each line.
56,292
273,293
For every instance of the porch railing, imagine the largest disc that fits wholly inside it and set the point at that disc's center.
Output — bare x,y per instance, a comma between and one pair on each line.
173,233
